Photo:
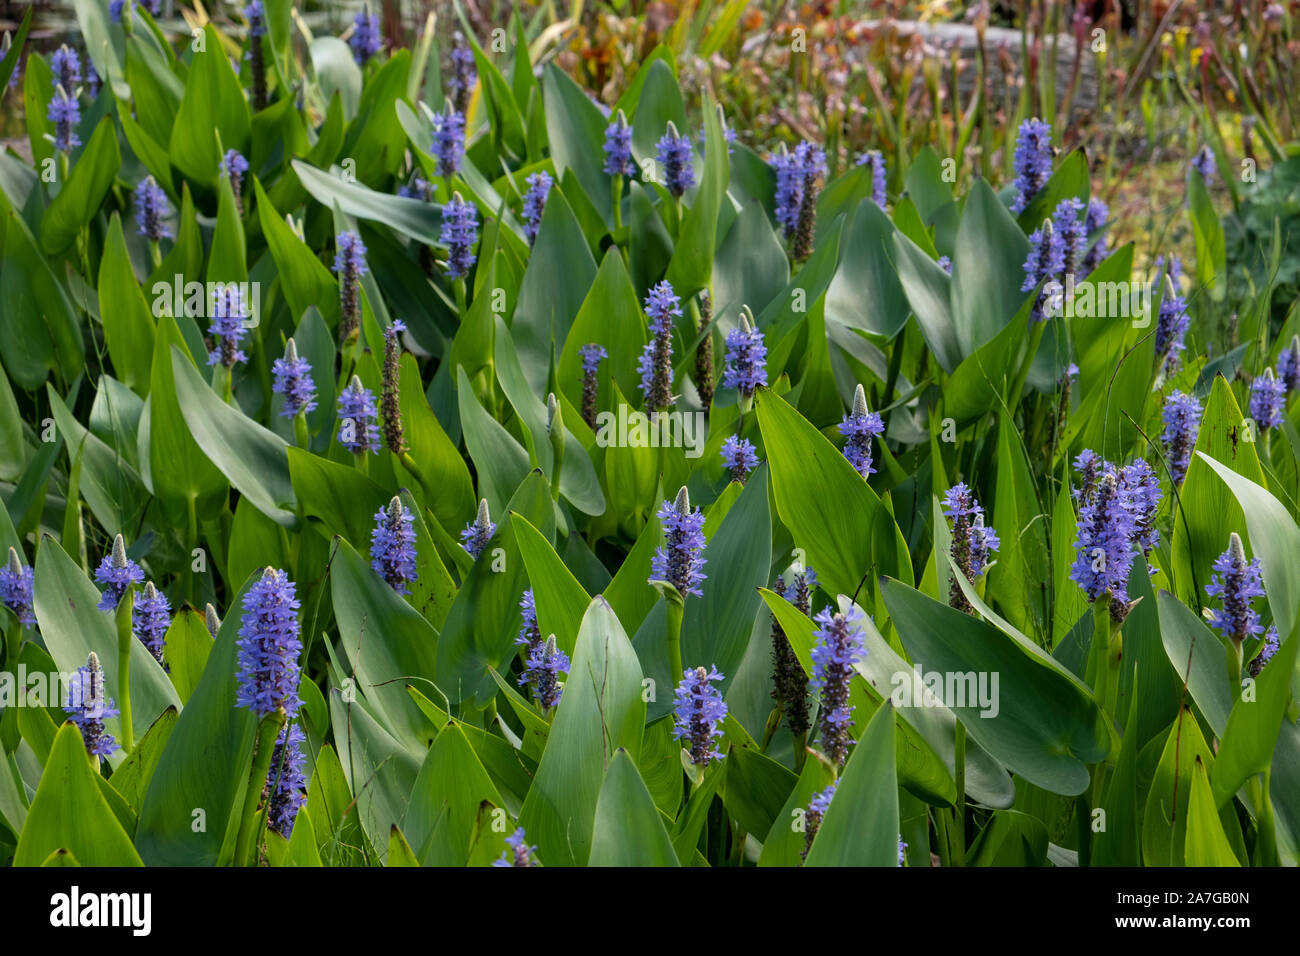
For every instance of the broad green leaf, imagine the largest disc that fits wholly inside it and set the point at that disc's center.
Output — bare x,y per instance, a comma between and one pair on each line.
628,830
601,711
69,812
860,827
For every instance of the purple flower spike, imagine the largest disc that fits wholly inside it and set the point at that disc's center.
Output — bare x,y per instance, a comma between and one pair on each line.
152,210
945,264
233,167
529,635
269,646
1236,583
459,233
1266,652
229,310
520,853
116,572
859,428
350,266
789,191
740,458
292,381
698,714
1104,543
365,40
390,411
678,561
662,307
255,14
677,160
539,187
1288,365
746,361
1171,326
812,820
1033,161
1203,163
1094,220
592,355
64,113
286,781
841,643
478,533
89,707
618,148
875,160
972,542
66,67
460,84
1140,484
1267,400
448,140
1071,233
152,615
812,162
392,546
1182,418
542,667
789,681
1045,262
16,584
358,419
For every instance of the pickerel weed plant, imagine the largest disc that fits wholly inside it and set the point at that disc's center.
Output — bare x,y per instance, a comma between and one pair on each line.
420,457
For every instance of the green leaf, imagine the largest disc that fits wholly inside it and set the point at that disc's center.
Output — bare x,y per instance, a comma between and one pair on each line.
204,766
72,626
866,293
1206,843
1197,657
254,459
560,272
388,643
414,218
927,287
601,710
81,196
128,324
37,322
186,649
452,794
69,812
131,778
560,600
987,269
1046,726
716,627
575,130
1164,821
628,830
845,529
213,105
784,843
860,827
691,266
1274,538
1207,233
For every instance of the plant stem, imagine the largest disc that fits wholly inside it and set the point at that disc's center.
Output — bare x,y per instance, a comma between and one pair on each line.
264,746
959,818
675,610
125,637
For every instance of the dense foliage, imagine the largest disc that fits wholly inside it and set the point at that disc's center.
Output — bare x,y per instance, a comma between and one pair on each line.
407,459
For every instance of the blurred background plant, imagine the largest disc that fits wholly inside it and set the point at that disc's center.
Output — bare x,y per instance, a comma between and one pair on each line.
1140,87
